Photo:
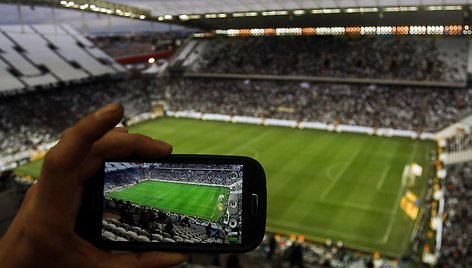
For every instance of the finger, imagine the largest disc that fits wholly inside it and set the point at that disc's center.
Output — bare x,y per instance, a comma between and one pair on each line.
78,140
120,145
59,189
123,146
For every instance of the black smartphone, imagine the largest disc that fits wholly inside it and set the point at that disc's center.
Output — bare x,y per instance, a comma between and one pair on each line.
180,203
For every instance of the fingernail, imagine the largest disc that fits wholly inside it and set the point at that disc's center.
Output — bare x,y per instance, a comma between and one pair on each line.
108,109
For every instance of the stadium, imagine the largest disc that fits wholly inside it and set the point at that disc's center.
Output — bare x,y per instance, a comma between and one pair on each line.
360,113
148,194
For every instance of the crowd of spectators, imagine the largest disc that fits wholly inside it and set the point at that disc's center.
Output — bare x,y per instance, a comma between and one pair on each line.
153,224
408,108
460,142
456,250
122,178
34,118
214,177
414,58
198,174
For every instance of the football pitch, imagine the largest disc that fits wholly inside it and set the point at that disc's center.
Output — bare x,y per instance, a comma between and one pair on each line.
187,199
324,185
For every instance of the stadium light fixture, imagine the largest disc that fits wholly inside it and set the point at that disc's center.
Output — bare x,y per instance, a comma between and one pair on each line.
331,10
452,7
299,12
151,60
184,17
268,13
434,8
238,14
400,9
250,14
211,16
352,30
361,10
222,15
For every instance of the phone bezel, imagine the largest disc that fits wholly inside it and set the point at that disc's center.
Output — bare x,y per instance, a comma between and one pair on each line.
89,221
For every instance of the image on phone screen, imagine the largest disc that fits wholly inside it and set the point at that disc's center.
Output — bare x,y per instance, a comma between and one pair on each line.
172,202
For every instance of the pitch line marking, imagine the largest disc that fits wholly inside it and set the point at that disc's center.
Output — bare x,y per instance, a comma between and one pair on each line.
393,213
333,182
415,148
382,178
357,206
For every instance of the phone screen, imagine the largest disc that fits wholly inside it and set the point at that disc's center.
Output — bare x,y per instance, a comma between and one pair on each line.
172,202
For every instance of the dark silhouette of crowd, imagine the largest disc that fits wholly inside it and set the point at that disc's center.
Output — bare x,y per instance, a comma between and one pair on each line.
396,58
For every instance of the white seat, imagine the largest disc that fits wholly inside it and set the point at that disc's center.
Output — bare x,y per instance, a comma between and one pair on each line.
143,238
121,239
157,237
121,229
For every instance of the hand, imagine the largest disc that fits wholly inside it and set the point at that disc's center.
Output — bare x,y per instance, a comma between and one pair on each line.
42,233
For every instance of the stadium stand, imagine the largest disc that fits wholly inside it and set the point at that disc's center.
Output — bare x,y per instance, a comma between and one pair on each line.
9,81
43,55
409,108
417,109
456,248
411,58
41,52
22,132
460,142
92,49
14,57
69,49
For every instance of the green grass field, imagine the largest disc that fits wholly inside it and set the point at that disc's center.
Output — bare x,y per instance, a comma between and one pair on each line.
324,185
194,200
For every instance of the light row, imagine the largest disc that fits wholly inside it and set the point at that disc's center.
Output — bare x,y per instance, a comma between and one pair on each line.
105,10
140,14
354,30
299,12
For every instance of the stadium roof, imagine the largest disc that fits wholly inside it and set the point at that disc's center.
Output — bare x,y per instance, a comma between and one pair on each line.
237,14
177,7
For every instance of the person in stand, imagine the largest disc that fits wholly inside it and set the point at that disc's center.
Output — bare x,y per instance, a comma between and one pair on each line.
169,228
42,233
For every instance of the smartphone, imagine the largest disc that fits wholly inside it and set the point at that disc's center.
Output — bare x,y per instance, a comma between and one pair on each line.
181,203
